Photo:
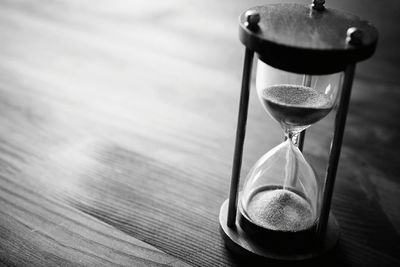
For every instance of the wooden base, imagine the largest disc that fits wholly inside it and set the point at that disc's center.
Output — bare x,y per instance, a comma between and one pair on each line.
241,243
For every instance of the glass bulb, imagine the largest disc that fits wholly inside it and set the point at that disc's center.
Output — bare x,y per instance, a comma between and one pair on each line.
296,101
281,192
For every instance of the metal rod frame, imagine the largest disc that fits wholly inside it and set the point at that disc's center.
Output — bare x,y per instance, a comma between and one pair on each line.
240,136
340,122
306,82
301,140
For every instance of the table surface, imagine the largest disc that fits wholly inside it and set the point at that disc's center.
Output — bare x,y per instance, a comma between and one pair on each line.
117,129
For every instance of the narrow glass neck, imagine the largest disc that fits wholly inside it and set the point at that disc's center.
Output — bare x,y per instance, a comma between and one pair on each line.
292,136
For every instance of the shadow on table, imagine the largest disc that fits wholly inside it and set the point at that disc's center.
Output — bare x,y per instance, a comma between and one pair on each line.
335,258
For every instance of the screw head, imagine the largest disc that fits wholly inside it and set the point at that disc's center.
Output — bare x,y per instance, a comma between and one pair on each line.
318,5
252,19
354,36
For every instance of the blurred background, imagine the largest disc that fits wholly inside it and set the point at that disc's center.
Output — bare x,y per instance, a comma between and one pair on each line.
126,111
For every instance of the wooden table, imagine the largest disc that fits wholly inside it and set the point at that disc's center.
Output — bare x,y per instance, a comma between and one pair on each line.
117,129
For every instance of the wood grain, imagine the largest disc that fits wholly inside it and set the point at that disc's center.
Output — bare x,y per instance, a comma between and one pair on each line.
117,123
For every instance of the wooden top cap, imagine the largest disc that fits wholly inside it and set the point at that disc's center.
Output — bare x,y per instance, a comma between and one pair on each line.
301,39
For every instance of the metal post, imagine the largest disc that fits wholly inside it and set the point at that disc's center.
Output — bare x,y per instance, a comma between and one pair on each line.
334,154
306,82
301,140
240,135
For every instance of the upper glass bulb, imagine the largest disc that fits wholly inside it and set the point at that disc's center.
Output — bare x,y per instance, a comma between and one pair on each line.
296,101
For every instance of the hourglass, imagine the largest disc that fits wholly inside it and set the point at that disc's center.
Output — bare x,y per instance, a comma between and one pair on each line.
306,63
281,193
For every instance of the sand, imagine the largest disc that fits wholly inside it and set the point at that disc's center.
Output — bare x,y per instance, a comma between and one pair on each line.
281,210
295,95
